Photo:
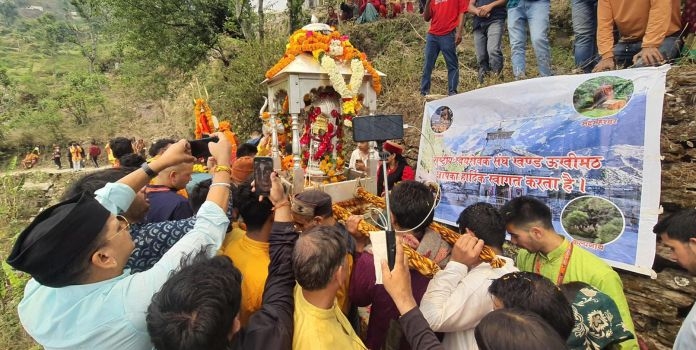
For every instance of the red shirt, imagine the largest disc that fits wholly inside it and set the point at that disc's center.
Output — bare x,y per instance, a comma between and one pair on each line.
445,15
94,151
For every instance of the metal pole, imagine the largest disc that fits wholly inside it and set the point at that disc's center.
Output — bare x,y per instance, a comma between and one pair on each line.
391,235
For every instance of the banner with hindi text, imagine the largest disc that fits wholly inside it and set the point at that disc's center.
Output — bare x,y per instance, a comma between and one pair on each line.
587,145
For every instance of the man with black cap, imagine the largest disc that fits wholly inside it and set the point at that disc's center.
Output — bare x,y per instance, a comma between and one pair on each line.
313,208
80,296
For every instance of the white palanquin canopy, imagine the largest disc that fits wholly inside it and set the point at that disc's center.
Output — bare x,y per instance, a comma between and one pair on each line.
305,73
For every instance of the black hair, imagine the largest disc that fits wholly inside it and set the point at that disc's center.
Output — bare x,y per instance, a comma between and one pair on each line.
680,225
485,221
516,329
196,307
411,203
158,145
199,194
120,146
318,253
525,210
536,293
90,183
253,212
571,289
131,160
246,150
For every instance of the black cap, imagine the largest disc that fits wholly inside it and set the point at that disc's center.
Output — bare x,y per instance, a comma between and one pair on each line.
312,203
57,239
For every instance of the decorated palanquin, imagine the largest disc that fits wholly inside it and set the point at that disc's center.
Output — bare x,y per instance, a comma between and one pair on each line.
316,88
363,201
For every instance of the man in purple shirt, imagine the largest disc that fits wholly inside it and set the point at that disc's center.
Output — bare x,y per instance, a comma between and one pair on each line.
411,204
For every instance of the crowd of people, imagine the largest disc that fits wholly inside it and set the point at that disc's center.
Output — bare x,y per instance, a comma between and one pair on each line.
132,259
608,34
80,155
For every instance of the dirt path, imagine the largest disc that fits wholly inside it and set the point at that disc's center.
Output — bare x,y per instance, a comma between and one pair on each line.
52,170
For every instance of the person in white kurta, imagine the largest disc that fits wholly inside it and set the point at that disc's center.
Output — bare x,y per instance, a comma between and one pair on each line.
457,297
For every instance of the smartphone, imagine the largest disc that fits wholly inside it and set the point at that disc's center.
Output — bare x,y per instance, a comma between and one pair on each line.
199,148
378,128
263,167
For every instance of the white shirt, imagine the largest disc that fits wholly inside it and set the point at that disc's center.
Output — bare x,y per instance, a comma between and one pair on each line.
457,299
371,154
686,338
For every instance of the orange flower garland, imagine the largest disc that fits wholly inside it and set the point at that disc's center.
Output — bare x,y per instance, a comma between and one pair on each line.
316,43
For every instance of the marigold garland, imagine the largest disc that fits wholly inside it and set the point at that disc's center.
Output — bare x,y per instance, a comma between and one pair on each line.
319,44
200,168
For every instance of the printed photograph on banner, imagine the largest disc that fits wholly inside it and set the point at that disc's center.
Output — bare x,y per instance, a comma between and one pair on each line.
441,120
593,219
577,144
602,96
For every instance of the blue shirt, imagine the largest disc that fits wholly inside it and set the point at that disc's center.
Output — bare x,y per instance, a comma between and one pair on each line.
111,314
166,204
686,338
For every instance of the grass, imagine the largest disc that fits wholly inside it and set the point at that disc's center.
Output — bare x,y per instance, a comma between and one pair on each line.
13,208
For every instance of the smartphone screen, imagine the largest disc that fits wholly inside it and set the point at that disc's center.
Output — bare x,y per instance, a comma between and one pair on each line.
199,148
263,167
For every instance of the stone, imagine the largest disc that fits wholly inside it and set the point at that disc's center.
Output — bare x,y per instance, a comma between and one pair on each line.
32,186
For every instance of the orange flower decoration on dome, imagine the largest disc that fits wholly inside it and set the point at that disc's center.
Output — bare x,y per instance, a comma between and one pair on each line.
316,44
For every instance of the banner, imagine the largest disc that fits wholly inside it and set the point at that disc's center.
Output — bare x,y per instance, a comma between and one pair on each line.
587,145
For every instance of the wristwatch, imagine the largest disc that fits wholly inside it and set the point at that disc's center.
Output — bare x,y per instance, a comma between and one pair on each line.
146,168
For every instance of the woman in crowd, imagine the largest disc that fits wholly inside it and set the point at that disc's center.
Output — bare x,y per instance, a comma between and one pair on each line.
397,169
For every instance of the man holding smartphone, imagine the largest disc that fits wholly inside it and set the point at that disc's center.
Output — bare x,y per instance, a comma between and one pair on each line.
361,155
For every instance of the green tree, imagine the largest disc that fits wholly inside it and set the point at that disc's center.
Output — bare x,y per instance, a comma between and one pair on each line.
242,19
176,34
86,36
296,15
52,33
575,221
8,11
82,96
609,231
261,19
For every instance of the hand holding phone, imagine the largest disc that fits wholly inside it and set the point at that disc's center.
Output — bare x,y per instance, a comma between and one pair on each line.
263,167
199,148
